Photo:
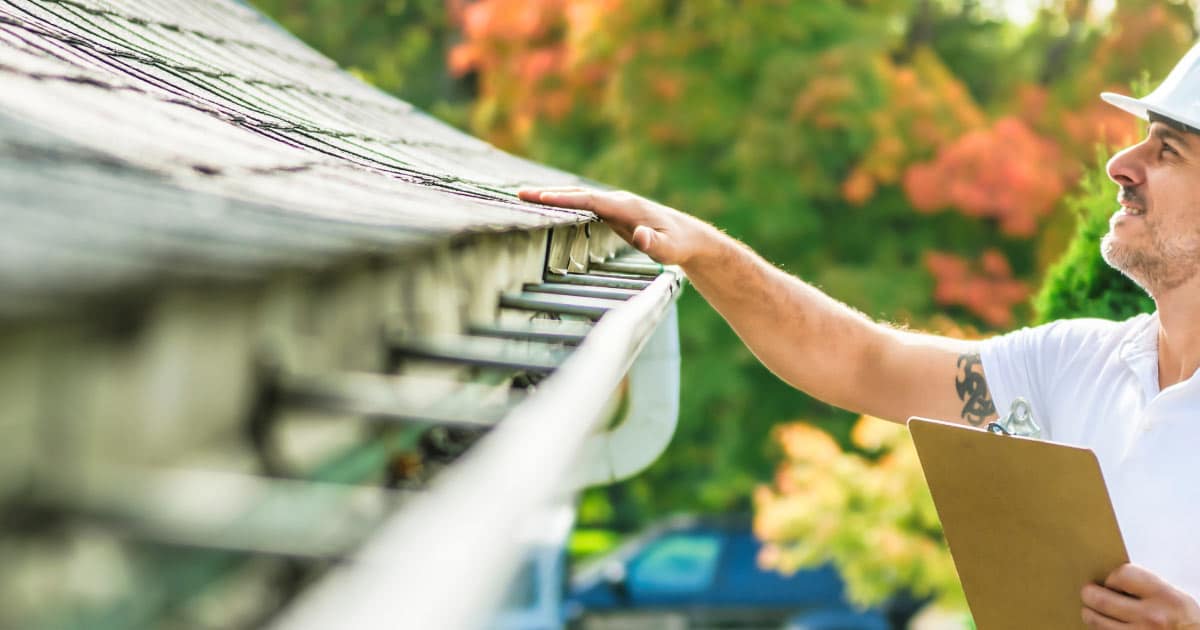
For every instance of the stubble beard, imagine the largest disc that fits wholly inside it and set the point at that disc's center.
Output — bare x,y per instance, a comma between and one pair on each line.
1159,268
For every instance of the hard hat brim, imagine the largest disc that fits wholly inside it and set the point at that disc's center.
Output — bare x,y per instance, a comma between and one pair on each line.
1141,107
1137,107
1177,98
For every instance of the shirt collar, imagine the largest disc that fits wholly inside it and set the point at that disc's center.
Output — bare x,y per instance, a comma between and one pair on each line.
1139,351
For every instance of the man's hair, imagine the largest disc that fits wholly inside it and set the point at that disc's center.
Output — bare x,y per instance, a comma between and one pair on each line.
1172,123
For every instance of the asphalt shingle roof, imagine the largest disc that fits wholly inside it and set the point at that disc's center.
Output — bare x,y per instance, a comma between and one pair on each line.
147,141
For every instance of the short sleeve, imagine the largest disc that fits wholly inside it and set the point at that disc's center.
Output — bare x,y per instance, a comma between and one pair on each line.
1027,363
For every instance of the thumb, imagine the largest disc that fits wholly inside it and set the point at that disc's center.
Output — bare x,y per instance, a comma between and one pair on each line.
644,238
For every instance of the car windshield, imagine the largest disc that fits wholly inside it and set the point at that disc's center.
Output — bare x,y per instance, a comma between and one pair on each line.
677,563
591,569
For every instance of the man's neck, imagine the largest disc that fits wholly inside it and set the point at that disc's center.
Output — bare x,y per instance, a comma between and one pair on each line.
1178,334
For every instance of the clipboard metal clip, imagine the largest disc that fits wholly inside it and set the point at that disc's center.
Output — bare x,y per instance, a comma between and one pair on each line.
1018,422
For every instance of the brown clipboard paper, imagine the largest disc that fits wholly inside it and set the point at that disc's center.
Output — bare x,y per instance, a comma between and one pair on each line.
1028,522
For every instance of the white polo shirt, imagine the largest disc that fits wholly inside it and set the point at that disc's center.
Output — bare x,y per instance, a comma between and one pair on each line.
1094,383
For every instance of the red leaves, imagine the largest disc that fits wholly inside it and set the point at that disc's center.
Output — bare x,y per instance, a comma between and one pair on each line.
984,287
1007,172
926,108
531,60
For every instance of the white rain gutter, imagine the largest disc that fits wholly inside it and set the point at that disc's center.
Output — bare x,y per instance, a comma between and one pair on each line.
650,417
445,560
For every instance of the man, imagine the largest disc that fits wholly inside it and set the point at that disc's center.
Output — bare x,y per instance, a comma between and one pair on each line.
1125,389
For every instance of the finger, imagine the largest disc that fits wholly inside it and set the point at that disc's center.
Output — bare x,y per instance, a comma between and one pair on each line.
535,194
617,213
1093,619
538,189
579,200
1134,580
1109,603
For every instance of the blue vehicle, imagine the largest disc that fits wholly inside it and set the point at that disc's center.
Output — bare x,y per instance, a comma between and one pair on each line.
704,573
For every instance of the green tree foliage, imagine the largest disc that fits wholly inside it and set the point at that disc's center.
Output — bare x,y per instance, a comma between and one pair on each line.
812,131
906,156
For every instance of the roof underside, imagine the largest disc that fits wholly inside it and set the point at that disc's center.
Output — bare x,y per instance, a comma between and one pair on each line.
193,139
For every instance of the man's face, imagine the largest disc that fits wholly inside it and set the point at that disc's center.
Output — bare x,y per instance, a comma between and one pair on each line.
1155,237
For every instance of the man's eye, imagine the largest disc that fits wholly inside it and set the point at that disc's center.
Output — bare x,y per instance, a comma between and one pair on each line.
1166,148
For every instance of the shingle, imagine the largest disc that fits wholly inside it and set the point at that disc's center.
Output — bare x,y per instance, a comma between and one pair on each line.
150,141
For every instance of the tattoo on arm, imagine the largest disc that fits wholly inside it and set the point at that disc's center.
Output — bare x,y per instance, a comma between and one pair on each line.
973,390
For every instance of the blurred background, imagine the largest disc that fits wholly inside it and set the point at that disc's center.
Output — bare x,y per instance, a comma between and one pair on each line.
934,163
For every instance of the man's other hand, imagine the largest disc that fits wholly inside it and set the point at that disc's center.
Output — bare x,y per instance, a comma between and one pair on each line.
664,234
1134,598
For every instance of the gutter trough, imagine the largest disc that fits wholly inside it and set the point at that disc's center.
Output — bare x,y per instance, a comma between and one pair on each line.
445,560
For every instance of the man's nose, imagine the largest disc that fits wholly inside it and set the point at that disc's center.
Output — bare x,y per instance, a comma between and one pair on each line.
1127,168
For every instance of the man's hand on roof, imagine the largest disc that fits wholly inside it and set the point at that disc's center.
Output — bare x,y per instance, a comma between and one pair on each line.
1133,597
664,234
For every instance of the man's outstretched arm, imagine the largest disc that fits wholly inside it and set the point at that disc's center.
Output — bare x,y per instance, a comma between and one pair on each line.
805,337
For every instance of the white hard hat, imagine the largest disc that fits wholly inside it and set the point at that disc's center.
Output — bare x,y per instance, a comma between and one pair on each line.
1177,97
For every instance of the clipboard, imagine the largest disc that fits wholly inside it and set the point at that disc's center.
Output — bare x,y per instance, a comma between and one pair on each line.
1028,522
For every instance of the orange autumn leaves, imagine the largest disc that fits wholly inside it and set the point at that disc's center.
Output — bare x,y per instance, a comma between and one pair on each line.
1005,172
941,148
932,139
926,108
532,59
830,505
